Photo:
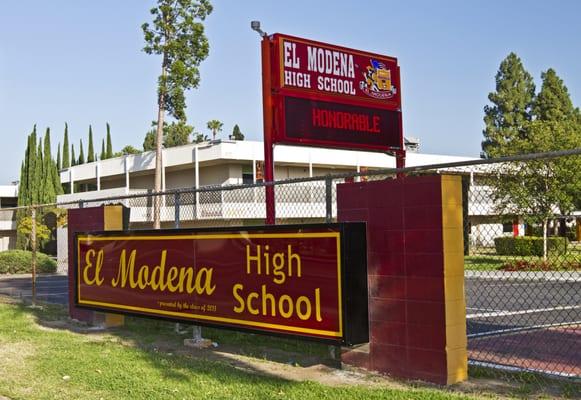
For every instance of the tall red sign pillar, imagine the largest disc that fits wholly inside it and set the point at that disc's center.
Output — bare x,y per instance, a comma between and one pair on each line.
267,114
103,218
417,312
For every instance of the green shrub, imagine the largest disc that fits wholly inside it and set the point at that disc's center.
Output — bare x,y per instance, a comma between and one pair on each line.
540,265
529,245
20,262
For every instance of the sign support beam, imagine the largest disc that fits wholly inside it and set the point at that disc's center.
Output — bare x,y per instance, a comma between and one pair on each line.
267,112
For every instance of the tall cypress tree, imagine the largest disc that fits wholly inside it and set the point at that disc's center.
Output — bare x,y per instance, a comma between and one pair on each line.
58,156
39,179
22,185
91,149
81,153
66,158
506,119
31,168
109,153
73,158
56,177
48,194
103,155
22,195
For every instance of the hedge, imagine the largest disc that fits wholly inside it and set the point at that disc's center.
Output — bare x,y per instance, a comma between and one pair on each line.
529,245
20,262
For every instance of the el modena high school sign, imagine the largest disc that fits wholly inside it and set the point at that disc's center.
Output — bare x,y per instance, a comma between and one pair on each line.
332,96
308,281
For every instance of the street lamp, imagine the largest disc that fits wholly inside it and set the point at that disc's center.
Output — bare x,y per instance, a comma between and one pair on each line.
255,25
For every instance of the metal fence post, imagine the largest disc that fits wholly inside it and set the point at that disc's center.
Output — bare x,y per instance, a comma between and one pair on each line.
33,256
328,199
177,209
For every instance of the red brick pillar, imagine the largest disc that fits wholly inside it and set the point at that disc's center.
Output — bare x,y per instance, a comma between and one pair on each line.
417,312
104,218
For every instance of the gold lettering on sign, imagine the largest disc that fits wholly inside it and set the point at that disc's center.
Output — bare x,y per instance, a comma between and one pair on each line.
283,264
176,279
89,259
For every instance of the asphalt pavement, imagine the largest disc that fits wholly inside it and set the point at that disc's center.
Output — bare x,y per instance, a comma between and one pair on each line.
494,306
49,288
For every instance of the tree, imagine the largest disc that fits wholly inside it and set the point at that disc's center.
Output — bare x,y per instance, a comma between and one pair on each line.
25,231
103,155
201,138
39,184
81,153
553,102
174,134
31,170
109,153
236,133
127,150
48,194
215,126
66,158
177,34
27,170
73,158
38,176
178,134
149,141
22,185
58,156
506,119
539,189
91,149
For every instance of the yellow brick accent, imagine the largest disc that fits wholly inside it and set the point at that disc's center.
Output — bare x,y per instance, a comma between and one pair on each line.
453,242
454,264
455,314
113,218
113,221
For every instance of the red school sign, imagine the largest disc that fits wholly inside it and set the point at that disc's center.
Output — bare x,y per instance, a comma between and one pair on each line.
283,280
331,96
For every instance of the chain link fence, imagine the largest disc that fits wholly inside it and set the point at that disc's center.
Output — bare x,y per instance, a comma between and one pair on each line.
522,231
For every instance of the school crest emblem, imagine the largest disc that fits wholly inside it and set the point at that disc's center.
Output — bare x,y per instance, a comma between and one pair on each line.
377,81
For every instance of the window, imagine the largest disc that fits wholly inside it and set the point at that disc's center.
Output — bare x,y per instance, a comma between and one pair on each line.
247,178
247,175
507,227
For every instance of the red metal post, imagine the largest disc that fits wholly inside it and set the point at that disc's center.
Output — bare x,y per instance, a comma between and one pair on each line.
400,162
267,112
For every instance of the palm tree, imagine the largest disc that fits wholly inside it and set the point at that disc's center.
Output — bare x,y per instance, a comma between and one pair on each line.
215,126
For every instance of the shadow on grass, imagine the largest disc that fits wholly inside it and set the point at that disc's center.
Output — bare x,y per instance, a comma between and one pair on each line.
159,344
222,369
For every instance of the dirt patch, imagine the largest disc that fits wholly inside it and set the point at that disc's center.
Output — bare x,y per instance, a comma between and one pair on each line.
13,355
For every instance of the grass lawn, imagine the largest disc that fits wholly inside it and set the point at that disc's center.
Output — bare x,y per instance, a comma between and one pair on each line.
42,358
486,259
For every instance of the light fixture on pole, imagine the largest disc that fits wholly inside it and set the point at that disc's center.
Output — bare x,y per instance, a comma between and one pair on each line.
255,25
267,107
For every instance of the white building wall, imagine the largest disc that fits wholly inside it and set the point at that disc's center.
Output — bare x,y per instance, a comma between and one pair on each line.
142,181
214,175
113,183
183,178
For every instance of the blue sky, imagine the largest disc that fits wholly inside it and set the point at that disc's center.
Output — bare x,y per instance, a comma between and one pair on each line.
81,62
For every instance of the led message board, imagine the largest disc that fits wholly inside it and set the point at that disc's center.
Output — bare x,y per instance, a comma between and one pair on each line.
331,96
308,281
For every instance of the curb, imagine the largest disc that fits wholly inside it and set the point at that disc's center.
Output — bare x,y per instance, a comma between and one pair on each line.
547,276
